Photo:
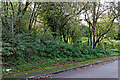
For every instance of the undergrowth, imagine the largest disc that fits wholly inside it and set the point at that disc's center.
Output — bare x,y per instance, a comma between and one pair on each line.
28,51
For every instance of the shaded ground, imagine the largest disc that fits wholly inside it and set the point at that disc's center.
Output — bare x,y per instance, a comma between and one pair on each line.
109,70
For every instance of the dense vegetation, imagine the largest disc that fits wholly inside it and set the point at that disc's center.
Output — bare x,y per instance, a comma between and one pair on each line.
42,34
26,49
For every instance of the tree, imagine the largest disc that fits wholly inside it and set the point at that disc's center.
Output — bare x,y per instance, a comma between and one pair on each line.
119,20
94,14
58,15
14,14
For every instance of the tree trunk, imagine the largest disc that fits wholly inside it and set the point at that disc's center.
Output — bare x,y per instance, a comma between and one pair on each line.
88,41
94,24
90,34
64,37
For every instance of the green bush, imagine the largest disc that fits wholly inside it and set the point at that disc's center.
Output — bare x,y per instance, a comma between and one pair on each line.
26,48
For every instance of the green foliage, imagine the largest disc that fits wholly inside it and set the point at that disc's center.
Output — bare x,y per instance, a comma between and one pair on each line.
112,44
29,49
40,34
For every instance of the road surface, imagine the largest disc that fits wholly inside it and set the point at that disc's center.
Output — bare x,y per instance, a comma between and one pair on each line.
109,70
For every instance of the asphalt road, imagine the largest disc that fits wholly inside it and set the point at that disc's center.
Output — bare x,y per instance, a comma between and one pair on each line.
109,70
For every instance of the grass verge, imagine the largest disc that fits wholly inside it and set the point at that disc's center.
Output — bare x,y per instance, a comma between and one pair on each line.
53,68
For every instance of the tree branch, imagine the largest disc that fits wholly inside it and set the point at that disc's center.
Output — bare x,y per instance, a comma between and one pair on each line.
27,4
106,31
12,7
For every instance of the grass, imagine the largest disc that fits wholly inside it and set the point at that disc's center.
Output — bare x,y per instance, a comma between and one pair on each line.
49,69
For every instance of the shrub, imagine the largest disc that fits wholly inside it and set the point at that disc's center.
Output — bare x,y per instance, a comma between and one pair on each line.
26,48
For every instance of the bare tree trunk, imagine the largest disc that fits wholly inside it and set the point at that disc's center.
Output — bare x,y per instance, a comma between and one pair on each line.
94,24
44,27
33,16
88,41
90,34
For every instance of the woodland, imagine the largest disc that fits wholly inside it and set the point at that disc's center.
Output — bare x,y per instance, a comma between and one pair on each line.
39,34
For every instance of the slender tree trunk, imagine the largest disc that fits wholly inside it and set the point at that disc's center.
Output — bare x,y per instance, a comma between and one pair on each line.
94,24
119,20
88,41
32,17
44,28
90,34
60,37
64,37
